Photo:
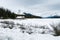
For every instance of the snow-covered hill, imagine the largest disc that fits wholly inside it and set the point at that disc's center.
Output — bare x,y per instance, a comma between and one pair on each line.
29,29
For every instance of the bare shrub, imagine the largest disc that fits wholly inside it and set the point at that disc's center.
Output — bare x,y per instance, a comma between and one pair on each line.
7,24
56,28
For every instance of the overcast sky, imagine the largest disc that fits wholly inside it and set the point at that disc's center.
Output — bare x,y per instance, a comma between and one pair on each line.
36,7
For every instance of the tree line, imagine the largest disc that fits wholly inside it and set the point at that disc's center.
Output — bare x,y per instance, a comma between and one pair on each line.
5,14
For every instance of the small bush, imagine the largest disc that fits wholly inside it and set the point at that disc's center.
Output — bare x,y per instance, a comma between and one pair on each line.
8,24
56,29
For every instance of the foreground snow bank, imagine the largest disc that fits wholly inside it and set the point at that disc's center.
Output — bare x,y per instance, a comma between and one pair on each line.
40,29
41,26
15,34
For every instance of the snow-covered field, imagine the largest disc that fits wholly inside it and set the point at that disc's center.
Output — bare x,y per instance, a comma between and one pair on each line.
29,29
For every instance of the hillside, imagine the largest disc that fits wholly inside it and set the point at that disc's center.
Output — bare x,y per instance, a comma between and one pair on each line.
29,29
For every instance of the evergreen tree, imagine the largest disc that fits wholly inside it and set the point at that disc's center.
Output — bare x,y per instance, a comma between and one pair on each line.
5,14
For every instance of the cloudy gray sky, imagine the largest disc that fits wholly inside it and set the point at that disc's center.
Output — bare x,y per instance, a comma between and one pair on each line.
36,7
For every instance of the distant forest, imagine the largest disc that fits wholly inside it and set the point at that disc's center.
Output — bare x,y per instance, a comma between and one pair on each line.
7,14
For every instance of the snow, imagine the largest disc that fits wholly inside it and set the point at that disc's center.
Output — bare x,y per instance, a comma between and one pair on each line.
14,34
41,29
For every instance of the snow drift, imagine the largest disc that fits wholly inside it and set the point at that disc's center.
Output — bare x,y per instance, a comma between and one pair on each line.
29,29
